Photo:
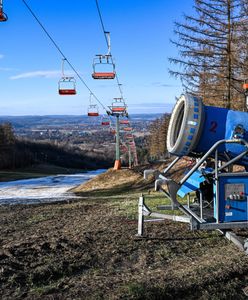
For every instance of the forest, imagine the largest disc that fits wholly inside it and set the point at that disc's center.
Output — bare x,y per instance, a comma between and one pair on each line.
17,153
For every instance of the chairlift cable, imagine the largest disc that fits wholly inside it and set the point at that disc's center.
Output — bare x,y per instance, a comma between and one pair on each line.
107,42
62,54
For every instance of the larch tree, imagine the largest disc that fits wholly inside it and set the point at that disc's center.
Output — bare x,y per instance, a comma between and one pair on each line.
157,139
211,51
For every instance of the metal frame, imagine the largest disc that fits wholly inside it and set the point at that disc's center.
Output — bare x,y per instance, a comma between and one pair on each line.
196,222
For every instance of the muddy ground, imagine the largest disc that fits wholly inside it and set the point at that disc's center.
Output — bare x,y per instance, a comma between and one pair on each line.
87,249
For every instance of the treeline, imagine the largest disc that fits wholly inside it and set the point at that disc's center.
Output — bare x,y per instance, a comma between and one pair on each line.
16,153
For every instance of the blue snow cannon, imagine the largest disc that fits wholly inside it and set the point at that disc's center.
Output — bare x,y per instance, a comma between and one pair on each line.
194,128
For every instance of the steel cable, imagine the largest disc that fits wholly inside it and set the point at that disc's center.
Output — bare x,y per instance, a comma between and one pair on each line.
62,54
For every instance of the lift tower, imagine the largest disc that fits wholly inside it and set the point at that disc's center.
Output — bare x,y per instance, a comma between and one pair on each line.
118,109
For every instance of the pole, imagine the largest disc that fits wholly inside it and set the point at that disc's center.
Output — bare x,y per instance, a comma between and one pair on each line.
117,165
130,157
141,217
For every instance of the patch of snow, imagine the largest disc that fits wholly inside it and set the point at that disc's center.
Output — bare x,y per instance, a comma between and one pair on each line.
44,189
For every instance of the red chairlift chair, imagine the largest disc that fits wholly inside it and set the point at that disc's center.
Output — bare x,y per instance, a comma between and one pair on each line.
103,60
93,110
105,121
67,86
118,106
3,16
127,129
124,122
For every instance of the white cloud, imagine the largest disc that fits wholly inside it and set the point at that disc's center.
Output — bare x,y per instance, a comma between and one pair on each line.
37,74
7,69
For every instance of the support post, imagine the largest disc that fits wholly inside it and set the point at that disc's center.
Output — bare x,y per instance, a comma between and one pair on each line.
117,165
129,157
188,200
216,180
140,217
201,205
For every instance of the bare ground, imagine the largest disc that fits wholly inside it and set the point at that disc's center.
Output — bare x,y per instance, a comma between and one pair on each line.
87,249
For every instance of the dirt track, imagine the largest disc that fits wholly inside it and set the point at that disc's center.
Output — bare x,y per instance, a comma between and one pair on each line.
88,250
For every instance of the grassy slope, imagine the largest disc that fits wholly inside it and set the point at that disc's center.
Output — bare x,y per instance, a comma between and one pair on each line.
87,249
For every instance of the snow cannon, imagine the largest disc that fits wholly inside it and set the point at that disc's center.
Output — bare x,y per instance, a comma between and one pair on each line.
211,194
194,128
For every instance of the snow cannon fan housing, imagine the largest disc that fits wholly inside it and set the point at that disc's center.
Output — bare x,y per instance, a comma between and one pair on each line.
194,128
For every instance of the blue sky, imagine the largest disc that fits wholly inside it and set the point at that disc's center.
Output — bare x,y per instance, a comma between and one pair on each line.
30,66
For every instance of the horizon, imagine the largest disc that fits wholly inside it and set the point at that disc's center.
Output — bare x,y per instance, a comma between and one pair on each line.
72,115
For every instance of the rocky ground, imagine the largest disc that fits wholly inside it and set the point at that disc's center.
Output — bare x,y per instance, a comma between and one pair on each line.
87,249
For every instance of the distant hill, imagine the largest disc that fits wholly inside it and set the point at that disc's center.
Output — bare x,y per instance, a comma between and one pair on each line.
61,120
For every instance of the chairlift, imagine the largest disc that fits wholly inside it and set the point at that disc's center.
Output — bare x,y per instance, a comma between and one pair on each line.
118,106
124,122
129,136
127,129
67,85
93,110
103,66
105,121
3,16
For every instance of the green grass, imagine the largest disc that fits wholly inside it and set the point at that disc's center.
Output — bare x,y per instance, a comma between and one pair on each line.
39,218
126,204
